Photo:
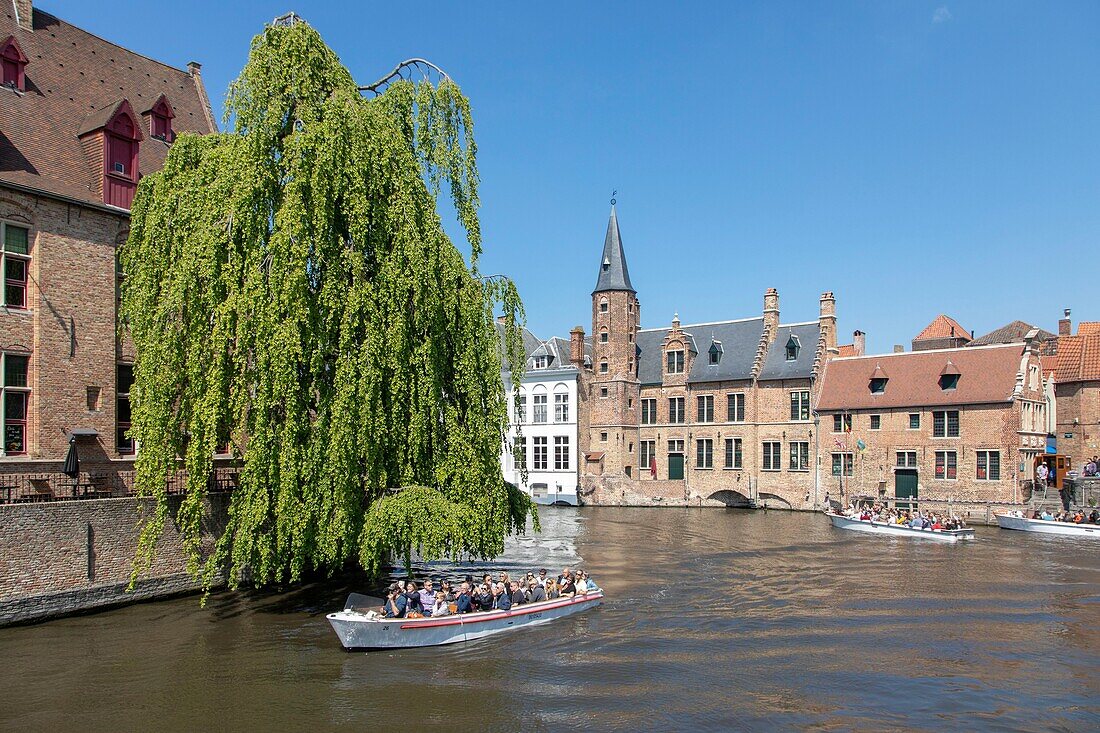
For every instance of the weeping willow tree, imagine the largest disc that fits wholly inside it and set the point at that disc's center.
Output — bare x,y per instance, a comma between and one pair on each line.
291,292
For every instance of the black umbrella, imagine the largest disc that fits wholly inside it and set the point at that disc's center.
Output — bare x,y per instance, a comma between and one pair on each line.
72,460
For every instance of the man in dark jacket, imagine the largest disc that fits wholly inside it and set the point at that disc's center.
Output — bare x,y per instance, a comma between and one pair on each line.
518,596
464,602
536,593
504,598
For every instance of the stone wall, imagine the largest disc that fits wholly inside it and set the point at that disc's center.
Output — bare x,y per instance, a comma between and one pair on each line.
60,558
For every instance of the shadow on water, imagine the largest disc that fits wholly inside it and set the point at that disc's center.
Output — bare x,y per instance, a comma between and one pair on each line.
714,620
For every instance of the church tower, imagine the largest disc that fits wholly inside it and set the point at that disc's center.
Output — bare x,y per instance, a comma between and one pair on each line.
613,400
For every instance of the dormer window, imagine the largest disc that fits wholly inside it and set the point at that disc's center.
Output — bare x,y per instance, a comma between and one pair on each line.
160,120
949,377
542,361
14,61
606,264
675,361
715,352
116,129
792,348
878,380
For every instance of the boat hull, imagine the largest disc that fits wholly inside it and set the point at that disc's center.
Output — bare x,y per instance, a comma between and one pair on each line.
895,530
358,631
1043,526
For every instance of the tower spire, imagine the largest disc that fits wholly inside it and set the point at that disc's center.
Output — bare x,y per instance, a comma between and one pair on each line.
613,272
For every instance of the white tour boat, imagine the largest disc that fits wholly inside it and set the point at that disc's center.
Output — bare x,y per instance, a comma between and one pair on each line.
359,629
898,530
1048,526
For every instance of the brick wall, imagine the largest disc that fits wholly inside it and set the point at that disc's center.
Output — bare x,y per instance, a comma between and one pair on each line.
1078,416
65,557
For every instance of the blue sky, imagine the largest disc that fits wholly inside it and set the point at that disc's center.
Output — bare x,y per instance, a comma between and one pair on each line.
913,157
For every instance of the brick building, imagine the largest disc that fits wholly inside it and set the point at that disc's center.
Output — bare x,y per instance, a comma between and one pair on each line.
944,332
715,413
81,119
1075,370
962,424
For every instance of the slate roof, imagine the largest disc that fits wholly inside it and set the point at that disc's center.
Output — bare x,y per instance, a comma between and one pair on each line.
613,273
74,79
987,376
776,365
943,327
1078,358
1010,334
530,343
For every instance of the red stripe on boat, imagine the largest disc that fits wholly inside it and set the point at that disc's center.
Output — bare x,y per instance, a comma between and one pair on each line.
455,620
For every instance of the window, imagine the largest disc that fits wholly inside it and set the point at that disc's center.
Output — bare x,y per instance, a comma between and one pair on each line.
521,408
542,361
989,465
715,352
519,453
120,157
540,407
878,385
771,456
842,423
914,421
539,460
124,380
676,409
949,381
842,459
946,464
675,362
160,120
16,262
16,389
906,459
603,336
561,452
800,456
876,422
649,411
735,407
603,436
704,408
603,305
603,367
561,407
14,62
704,453
792,348
603,393
733,453
92,394
647,456
945,424
800,405
675,446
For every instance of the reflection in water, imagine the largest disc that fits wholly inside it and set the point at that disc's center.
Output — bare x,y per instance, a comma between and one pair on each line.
714,620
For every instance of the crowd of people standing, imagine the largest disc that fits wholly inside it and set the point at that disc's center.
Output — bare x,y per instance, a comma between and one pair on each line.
413,600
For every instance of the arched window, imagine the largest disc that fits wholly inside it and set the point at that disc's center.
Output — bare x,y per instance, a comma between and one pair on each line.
603,335
14,61
160,120
561,403
603,305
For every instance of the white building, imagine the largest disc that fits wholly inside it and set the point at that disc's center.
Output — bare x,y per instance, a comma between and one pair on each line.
542,433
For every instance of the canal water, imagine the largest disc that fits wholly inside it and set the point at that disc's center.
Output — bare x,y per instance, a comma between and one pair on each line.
714,620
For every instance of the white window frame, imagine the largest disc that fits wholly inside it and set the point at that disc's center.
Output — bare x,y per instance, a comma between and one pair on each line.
771,456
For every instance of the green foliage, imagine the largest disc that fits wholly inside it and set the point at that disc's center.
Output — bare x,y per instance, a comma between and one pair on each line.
290,290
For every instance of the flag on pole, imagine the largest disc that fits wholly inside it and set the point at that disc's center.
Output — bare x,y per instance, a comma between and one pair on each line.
861,445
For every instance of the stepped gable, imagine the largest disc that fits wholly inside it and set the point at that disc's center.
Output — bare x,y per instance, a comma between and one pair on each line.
73,80
987,375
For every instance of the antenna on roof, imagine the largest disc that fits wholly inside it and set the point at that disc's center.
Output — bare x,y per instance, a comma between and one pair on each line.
613,196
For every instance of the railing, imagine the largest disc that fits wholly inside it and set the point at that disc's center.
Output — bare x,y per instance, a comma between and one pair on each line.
27,488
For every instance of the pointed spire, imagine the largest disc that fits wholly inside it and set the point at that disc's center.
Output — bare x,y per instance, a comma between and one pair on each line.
613,272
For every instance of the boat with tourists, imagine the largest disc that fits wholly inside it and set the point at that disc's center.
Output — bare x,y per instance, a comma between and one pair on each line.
1048,526
360,628
875,526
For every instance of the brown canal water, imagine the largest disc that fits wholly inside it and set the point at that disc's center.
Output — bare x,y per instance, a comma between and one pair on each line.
714,620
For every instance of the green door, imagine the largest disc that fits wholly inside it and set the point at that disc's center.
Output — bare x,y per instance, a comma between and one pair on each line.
905,488
675,466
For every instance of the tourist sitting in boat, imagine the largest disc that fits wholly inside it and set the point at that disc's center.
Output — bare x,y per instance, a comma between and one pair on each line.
412,598
535,592
502,596
395,602
441,607
1094,517
427,598
464,600
553,590
1046,515
518,595
484,598
567,587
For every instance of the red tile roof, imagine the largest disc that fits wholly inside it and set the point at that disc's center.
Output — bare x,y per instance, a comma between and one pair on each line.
987,375
1088,328
943,327
72,77
1078,358
846,350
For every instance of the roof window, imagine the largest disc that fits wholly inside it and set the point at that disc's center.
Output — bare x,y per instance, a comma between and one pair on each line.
160,120
793,347
949,377
715,352
14,61
878,380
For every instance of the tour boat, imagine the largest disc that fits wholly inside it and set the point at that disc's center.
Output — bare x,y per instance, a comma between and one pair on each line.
898,530
1047,526
360,629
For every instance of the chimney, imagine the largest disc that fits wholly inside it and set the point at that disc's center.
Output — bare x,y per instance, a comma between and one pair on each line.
24,14
859,343
194,68
827,321
771,313
576,347
899,349
1064,325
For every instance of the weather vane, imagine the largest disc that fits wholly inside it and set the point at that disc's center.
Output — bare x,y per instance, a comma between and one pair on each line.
613,197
